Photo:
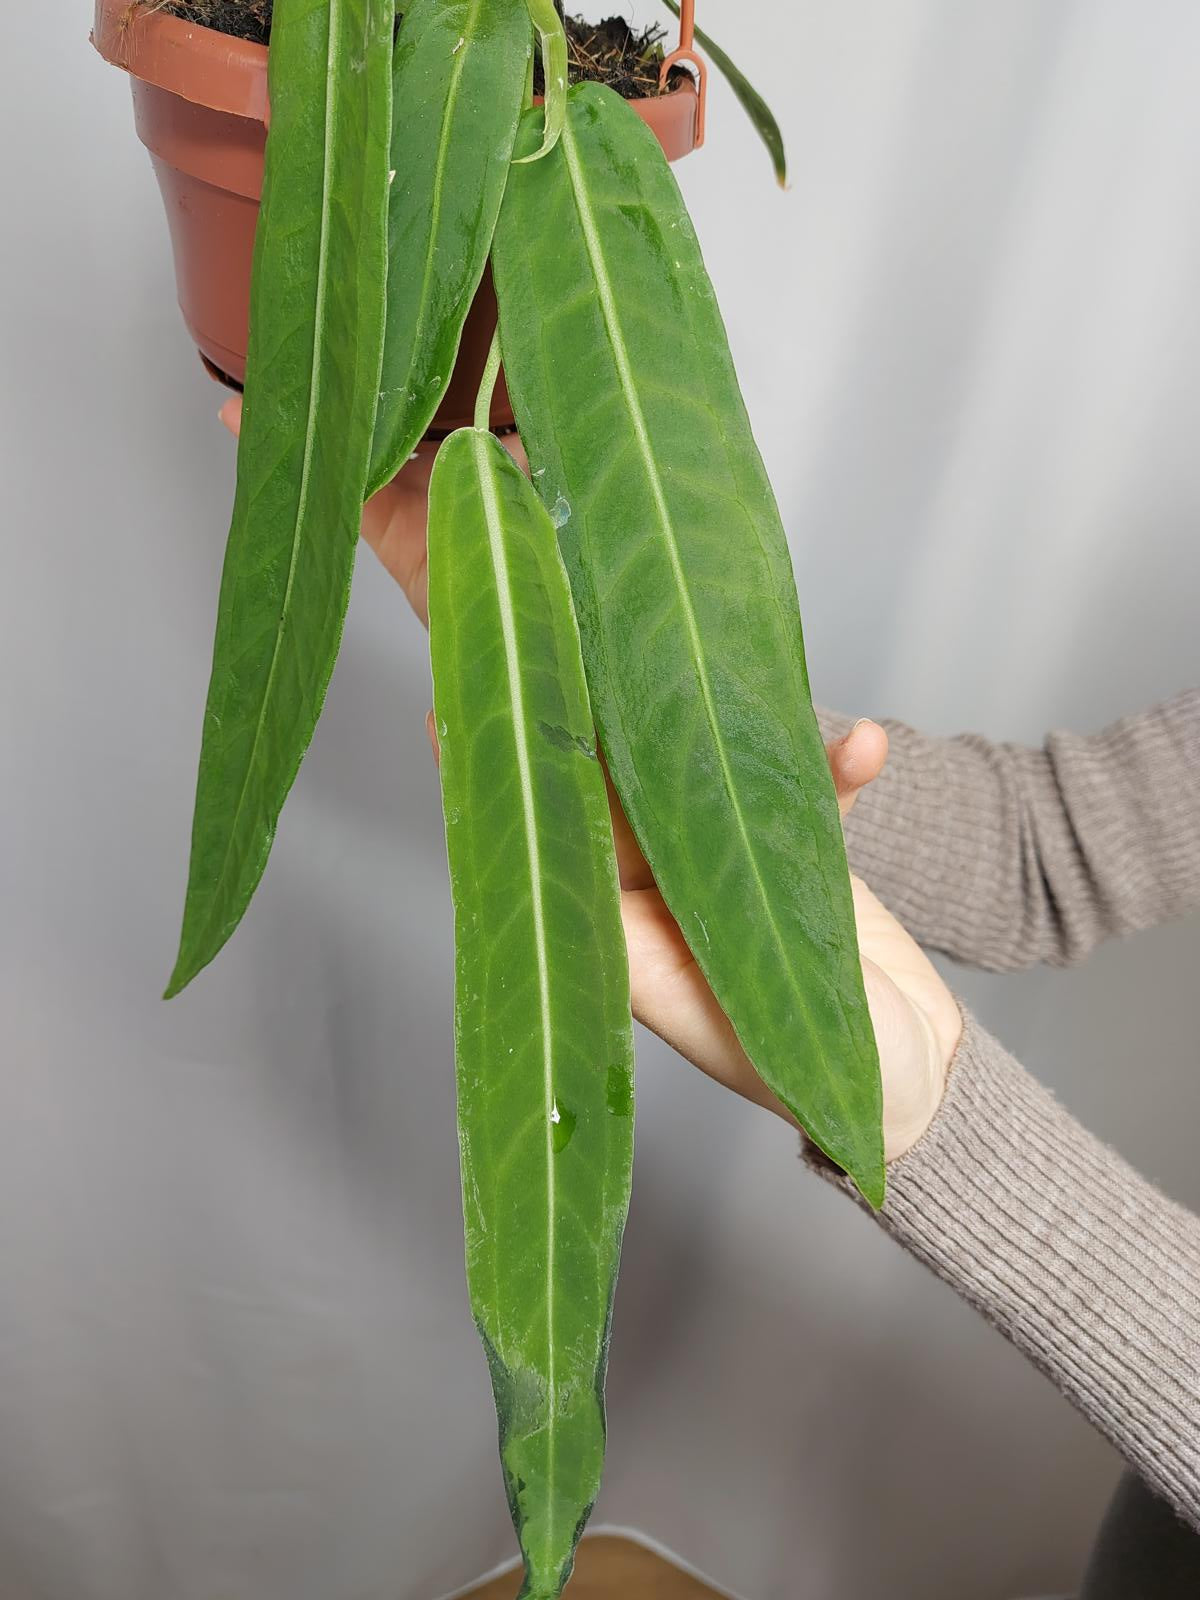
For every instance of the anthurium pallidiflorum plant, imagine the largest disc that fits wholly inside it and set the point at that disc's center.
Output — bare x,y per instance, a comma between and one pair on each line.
632,597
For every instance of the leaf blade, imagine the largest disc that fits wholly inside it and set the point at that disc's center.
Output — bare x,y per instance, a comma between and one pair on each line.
544,1045
459,79
312,376
755,107
671,537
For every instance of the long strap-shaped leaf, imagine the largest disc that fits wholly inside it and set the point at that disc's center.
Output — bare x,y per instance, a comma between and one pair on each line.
544,1044
312,379
625,392
459,80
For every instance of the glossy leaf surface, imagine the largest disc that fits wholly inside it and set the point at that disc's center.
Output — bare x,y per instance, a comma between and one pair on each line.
312,379
544,1040
620,373
459,81
755,107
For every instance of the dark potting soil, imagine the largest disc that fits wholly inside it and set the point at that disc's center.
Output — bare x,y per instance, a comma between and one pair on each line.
245,19
627,59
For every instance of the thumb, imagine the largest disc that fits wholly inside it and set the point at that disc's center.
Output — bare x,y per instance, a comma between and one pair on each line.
857,760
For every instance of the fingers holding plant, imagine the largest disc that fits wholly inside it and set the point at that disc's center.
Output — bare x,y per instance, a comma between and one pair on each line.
856,760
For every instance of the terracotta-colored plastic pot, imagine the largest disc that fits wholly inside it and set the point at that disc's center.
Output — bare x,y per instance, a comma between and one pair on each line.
200,108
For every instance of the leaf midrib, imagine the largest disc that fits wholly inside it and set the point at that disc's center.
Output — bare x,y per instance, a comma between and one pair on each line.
618,345
486,468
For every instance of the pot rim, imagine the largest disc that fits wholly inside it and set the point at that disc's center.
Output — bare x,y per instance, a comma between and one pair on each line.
199,64
215,69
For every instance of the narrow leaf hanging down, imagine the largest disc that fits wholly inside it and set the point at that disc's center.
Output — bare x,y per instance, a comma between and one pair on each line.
544,1041
620,373
316,335
752,103
459,81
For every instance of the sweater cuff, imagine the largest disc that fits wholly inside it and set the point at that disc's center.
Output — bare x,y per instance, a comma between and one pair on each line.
1078,1261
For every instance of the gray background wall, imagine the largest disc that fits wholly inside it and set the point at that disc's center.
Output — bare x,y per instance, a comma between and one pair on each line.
236,1361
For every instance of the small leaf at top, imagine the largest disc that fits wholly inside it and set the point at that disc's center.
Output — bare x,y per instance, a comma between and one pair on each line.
552,41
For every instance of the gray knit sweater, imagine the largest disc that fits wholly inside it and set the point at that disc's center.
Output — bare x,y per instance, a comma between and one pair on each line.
1003,856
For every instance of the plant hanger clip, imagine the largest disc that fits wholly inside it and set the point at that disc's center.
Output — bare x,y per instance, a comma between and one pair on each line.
687,53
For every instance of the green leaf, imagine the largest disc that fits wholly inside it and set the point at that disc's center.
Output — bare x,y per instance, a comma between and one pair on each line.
552,42
620,373
316,335
755,107
459,83
544,1041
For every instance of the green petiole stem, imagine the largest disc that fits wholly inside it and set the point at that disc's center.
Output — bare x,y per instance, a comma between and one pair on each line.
487,386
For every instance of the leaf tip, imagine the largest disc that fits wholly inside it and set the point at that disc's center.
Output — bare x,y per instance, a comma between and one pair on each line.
177,983
187,965
861,1161
873,1189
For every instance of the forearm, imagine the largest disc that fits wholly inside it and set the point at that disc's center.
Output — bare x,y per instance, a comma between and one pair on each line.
1003,856
1077,1260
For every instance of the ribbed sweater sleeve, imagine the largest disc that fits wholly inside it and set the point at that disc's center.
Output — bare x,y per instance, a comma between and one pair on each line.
1002,855
1077,1260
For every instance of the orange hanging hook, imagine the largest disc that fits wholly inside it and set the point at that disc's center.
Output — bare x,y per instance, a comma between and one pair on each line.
686,53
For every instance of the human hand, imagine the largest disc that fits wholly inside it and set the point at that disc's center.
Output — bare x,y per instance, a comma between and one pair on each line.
916,1018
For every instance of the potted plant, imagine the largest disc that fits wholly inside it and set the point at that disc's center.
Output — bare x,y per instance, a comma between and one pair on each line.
632,598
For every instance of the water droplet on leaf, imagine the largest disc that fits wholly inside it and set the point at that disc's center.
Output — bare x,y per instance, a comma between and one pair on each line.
562,1126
